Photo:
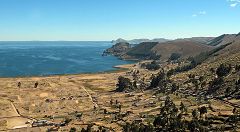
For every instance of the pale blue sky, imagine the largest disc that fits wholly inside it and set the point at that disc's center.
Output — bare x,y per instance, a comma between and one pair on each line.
112,19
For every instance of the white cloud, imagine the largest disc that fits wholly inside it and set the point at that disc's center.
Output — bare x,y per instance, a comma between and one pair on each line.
202,13
233,3
194,15
199,13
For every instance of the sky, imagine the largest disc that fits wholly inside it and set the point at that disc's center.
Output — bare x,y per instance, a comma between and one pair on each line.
26,20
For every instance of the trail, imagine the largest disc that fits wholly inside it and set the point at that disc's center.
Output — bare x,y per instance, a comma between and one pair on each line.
9,117
19,98
90,96
229,103
15,109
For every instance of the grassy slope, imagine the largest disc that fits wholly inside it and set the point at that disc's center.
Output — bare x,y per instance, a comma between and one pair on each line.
229,55
185,47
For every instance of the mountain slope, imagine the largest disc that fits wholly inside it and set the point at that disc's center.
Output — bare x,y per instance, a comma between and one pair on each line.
186,48
141,51
229,56
203,40
221,40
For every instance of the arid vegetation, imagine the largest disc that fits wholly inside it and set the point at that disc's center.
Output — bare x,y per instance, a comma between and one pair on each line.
182,93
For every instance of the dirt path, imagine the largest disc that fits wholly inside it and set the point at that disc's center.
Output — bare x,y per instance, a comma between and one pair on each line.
15,109
90,96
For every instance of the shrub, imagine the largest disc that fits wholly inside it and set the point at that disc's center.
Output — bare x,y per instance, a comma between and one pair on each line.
202,110
175,56
223,70
157,79
215,85
152,66
175,87
73,129
171,72
124,84
237,68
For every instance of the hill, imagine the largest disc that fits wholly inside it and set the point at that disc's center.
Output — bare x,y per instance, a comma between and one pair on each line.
141,51
138,41
186,48
203,40
118,49
221,40
220,70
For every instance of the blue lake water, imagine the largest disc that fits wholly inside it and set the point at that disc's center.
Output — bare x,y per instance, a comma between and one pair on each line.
39,58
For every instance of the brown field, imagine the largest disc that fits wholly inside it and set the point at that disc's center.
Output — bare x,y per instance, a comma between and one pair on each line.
59,97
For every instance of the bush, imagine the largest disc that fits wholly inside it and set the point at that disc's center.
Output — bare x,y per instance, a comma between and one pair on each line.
124,84
237,68
174,56
73,129
157,79
215,85
202,110
152,66
223,70
171,72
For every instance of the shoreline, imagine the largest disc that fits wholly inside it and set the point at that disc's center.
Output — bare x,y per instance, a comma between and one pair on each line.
118,69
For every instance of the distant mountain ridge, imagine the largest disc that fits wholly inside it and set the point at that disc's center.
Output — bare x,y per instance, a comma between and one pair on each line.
162,50
137,41
158,48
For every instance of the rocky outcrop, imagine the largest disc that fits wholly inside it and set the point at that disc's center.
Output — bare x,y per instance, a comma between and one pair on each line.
117,49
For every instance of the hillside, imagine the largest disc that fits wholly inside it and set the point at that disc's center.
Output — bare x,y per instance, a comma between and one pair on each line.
162,50
203,40
186,48
221,40
141,51
226,58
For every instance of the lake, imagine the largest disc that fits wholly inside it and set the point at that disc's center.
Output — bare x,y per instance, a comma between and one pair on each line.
39,58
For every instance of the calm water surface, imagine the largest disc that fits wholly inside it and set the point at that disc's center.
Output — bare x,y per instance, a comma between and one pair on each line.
51,58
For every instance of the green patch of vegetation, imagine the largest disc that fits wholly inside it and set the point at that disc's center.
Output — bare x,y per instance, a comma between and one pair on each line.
125,84
163,83
151,66
175,56
223,70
